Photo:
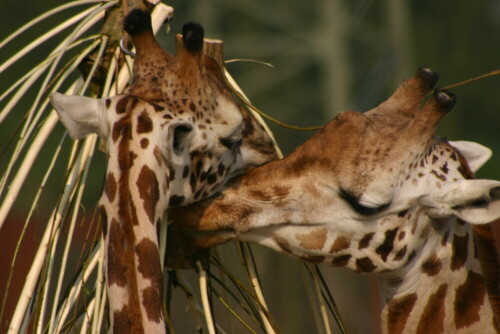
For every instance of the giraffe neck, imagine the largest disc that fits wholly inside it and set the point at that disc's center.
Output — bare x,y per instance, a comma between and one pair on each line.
132,205
441,289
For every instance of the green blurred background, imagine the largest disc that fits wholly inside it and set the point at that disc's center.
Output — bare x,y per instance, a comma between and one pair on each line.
328,56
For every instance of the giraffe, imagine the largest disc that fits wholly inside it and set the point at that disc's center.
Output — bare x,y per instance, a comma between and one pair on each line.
173,137
377,192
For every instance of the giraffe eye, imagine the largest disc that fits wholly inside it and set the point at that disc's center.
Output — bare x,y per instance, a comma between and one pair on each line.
231,142
359,208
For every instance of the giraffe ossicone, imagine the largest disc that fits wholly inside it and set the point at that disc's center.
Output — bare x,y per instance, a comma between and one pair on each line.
173,137
377,192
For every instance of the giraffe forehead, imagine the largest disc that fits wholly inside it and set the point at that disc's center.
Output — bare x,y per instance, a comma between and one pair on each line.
381,179
219,114
183,91
368,146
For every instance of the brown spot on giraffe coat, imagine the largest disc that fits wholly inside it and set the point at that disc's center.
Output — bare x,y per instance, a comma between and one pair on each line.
460,251
365,240
117,264
400,253
341,260
110,187
147,183
104,221
433,316
124,321
432,265
313,240
469,298
386,247
121,128
144,123
365,265
339,244
149,259
398,311
150,268
122,104
152,303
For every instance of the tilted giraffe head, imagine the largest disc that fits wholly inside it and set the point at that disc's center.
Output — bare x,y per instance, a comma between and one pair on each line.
377,192
173,137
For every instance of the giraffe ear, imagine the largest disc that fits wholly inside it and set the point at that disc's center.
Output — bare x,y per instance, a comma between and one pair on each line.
179,138
481,214
475,154
80,115
474,201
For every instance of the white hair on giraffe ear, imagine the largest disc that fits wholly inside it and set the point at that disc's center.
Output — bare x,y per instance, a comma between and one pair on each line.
475,201
80,115
475,154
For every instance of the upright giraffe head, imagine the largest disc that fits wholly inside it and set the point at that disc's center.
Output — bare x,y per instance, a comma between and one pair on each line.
377,192
173,137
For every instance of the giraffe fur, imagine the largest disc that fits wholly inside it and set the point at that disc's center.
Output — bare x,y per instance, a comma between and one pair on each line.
173,137
376,192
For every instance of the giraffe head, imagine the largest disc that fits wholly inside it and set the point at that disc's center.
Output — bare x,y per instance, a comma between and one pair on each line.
377,193
173,137
388,159
358,179
178,118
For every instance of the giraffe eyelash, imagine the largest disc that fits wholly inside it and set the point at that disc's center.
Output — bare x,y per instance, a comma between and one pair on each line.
231,141
359,208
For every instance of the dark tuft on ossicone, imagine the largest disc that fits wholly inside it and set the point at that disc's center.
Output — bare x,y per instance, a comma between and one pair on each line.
137,21
428,77
445,98
192,36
